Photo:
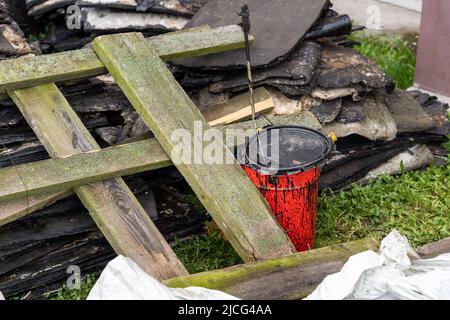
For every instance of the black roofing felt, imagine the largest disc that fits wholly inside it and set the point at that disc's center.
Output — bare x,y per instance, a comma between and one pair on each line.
276,36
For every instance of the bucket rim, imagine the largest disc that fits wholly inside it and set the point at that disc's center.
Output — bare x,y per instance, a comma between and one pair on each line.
242,154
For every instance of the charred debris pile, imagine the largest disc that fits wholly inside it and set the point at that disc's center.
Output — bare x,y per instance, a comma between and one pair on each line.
303,59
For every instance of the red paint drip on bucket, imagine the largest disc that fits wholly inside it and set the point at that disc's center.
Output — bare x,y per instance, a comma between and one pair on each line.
284,164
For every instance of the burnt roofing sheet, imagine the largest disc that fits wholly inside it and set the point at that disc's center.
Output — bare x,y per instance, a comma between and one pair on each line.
278,27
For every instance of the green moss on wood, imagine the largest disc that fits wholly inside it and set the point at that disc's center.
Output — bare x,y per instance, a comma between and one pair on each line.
32,71
111,204
227,193
58,174
228,278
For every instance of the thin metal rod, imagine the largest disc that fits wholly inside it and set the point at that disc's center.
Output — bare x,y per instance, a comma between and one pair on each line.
246,26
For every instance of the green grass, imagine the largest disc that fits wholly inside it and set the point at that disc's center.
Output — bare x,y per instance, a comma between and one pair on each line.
198,254
76,294
206,253
43,35
415,203
395,55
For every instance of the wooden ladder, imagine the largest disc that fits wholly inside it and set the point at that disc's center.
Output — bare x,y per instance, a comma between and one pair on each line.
79,165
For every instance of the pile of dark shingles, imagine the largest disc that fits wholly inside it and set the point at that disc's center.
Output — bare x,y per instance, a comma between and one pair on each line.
302,56
12,38
36,251
72,27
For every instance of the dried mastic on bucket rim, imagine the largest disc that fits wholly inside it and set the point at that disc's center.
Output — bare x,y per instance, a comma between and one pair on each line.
281,150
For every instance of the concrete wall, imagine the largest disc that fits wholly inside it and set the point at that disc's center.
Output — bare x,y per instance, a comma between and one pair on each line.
433,57
415,5
379,16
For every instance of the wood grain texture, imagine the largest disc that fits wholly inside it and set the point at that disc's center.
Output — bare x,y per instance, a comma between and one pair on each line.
12,210
292,277
32,71
111,203
224,189
53,175
239,108
432,250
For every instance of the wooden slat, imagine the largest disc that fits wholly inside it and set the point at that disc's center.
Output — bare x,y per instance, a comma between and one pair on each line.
45,177
239,108
59,67
16,209
432,250
13,210
293,277
230,197
111,203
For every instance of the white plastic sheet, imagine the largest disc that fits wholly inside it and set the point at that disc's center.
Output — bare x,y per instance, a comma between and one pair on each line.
123,279
1,296
395,273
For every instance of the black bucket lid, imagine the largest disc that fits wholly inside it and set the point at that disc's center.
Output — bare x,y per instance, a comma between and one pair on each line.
283,150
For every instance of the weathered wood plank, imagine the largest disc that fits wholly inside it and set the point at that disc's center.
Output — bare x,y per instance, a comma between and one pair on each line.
16,209
59,67
432,250
45,177
239,108
13,210
230,197
66,66
111,203
292,277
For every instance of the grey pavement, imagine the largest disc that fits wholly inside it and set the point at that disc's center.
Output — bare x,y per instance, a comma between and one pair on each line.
382,15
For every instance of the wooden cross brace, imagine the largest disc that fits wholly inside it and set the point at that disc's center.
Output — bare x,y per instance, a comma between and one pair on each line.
137,66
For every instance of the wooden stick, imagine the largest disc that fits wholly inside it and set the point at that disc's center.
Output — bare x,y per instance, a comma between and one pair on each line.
112,205
51,176
31,71
238,108
434,249
14,210
16,74
225,191
11,210
292,277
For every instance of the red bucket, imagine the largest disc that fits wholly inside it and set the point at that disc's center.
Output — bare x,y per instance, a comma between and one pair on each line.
284,163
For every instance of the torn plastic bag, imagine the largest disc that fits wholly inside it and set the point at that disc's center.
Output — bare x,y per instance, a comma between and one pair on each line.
123,279
395,273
